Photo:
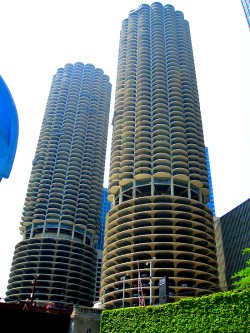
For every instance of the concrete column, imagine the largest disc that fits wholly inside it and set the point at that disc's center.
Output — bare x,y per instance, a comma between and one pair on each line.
200,195
85,320
189,190
120,195
133,189
73,232
32,230
172,185
152,186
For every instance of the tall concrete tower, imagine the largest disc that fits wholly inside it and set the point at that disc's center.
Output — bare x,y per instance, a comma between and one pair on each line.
246,7
60,220
158,181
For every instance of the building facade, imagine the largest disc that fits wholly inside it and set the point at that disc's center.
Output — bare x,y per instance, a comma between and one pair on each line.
106,205
159,224
246,7
60,220
232,232
210,184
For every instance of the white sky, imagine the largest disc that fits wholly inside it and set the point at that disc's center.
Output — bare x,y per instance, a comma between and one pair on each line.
38,37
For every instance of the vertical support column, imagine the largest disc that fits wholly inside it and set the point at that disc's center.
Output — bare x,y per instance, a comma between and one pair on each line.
133,193
189,190
152,186
120,195
32,230
200,195
92,239
84,236
172,185
58,230
123,289
73,232
44,227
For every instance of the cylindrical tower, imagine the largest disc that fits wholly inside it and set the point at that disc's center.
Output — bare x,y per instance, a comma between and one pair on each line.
158,177
60,220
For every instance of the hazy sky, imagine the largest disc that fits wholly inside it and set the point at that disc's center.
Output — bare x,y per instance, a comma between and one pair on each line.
38,37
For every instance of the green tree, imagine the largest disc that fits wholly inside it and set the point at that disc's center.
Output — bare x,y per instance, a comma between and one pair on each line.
243,276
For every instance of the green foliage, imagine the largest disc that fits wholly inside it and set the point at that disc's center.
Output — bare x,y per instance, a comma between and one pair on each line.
227,312
243,276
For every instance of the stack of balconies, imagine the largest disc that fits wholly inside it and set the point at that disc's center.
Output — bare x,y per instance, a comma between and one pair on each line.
177,232
157,161
63,201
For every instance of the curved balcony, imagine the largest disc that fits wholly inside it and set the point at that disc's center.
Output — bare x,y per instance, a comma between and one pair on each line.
168,232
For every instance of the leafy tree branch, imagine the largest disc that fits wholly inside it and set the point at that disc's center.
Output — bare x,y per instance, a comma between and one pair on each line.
243,276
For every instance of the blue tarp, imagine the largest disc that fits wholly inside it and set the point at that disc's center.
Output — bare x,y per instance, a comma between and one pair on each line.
8,130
